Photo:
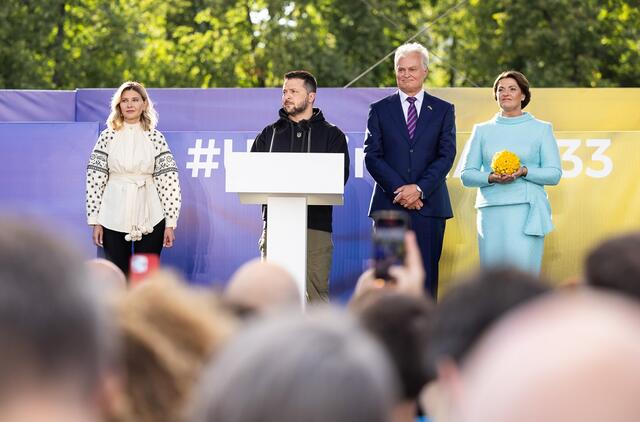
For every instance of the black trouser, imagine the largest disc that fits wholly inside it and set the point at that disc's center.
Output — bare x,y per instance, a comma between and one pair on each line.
119,251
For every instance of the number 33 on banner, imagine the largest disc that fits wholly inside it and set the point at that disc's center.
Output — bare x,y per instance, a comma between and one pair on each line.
572,146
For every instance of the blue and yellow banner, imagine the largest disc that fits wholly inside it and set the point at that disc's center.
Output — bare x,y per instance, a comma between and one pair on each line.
598,132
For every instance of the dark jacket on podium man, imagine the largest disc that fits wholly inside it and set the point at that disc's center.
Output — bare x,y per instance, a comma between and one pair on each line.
301,129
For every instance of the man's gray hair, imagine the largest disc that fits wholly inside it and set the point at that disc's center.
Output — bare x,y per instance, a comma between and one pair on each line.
414,47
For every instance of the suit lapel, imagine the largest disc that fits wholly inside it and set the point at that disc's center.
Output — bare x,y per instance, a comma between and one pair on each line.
397,114
425,116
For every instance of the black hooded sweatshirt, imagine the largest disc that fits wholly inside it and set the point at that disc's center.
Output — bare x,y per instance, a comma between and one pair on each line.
313,135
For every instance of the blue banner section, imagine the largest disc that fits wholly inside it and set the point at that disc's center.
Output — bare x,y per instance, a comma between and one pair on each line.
37,106
44,176
233,109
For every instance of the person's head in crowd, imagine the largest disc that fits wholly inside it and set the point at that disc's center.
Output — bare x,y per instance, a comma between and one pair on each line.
401,323
169,331
472,306
316,367
463,316
54,329
108,277
262,286
570,357
614,265
130,103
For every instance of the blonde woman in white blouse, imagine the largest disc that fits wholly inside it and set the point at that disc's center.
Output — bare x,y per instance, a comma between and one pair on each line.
133,192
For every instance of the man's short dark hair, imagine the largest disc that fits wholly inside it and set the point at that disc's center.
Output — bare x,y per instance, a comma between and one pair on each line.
615,265
467,311
402,323
310,83
50,315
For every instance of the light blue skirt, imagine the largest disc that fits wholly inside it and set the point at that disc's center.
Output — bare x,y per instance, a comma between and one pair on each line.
502,241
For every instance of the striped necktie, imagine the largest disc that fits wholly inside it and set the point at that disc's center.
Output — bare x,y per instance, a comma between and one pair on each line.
412,117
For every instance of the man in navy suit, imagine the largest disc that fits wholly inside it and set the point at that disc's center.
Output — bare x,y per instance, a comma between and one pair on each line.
410,146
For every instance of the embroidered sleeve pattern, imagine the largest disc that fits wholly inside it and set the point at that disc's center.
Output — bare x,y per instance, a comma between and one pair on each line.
165,177
97,176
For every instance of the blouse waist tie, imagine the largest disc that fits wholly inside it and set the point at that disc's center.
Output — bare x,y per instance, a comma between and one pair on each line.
138,218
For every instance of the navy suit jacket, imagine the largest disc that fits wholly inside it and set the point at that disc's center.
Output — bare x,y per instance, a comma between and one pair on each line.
395,160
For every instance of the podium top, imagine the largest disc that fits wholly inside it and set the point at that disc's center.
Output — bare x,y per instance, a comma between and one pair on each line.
291,174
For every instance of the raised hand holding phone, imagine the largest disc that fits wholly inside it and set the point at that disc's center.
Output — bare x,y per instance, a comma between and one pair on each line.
408,275
388,241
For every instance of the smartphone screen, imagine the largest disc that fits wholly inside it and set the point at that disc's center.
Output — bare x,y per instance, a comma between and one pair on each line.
388,241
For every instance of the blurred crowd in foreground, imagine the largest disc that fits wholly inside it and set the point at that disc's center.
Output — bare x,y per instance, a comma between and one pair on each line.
80,344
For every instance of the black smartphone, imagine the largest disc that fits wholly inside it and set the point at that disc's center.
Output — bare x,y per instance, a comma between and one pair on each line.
389,231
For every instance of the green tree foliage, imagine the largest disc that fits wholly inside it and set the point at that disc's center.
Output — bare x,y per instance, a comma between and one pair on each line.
584,43
59,44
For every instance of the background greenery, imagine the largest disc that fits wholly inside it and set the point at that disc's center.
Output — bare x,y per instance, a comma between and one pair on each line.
59,44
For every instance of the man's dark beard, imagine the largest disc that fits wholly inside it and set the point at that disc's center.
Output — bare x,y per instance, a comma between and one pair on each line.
298,110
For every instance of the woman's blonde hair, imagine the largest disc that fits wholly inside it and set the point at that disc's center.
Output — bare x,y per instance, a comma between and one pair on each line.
149,117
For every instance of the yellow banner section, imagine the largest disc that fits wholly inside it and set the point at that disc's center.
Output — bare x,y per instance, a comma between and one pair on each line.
598,196
569,109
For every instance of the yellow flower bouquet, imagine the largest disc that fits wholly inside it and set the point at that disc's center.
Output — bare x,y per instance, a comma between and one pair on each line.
505,162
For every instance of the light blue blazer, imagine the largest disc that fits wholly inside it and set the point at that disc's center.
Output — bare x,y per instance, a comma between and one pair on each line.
533,141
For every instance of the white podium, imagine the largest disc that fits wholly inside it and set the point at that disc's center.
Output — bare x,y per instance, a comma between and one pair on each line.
287,183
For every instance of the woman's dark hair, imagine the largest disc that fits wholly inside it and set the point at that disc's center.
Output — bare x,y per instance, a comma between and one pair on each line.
520,79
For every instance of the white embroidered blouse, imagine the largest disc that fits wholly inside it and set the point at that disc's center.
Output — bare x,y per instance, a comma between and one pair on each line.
132,182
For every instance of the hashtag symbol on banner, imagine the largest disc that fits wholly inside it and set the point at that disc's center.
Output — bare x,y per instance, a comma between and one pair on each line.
198,152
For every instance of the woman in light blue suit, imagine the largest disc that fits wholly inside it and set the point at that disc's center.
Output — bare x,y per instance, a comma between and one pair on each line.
513,210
